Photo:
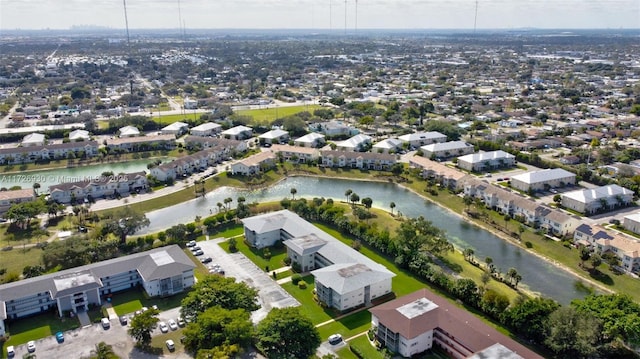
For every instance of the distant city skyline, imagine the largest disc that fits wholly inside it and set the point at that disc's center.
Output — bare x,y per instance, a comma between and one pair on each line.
322,14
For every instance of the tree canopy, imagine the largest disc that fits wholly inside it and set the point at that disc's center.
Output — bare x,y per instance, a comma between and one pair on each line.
619,314
285,333
126,222
217,327
417,235
142,325
220,291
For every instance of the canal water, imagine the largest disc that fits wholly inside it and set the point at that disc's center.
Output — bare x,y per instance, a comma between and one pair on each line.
52,177
538,275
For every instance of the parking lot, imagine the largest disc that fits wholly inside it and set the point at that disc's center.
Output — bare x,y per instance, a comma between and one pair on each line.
237,265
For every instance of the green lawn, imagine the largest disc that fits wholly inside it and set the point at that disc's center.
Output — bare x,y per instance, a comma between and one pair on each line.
346,353
164,120
227,231
348,326
278,254
268,115
131,300
38,327
158,341
369,351
309,306
16,259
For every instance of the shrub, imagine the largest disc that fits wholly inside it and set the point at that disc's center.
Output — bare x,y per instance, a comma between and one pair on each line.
528,244
287,261
296,278
266,253
302,284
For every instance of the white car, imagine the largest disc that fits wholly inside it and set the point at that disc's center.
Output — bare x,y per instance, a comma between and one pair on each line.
31,346
105,323
335,339
163,327
173,325
191,244
11,352
170,345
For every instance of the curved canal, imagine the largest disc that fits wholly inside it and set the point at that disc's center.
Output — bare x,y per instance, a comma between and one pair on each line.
538,275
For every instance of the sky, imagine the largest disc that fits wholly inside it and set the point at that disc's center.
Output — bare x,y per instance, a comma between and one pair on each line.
321,14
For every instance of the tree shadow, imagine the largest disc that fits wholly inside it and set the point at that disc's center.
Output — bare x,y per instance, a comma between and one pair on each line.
601,277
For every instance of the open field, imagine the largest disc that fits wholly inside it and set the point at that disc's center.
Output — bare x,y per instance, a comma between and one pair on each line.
268,115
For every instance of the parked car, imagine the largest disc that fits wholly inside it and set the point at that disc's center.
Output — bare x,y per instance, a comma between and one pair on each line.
60,337
191,244
170,344
199,252
195,248
173,325
335,339
181,322
11,351
105,323
31,346
123,320
163,327
206,260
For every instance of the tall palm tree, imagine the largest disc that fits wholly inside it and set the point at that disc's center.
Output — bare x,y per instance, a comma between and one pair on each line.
104,351
392,205
348,193
293,193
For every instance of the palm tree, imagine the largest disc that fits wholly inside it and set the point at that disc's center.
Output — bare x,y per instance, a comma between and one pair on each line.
489,262
392,205
219,207
36,186
511,273
104,351
467,202
293,193
227,201
468,253
354,198
348,193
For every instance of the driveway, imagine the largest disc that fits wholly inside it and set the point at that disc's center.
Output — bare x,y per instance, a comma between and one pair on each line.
237,265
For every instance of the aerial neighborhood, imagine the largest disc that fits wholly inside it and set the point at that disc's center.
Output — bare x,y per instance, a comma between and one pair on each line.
413,196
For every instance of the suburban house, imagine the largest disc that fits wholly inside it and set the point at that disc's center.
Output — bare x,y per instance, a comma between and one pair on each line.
356,143
47,152
238,133
335,128
310,140
361,160
141,143
421,320
602,241
594,200
632,222
296,154
486,161
419,139
543,180
184,166
177,129
98,187
160,272
33,139
210,142
255,164
274,136
79,135
190,104
344,278
128,131
206,129
444,175
9,198
447,149
390,145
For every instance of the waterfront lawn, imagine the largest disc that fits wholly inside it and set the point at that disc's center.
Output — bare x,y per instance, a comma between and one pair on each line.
131,300
227,231
38,327
365,347
348,326
309,306
278,254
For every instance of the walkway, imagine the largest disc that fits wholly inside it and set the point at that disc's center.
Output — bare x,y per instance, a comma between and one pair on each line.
110,311
83,317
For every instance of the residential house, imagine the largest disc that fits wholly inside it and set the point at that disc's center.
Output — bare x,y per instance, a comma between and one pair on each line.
419,139
128,131
160,272
356,143
447,149
296,154
206,129
595,200
177,129
334,128
632,223
198,142
238,133
184,166
313,139
190,104
79,135
361,160
486,161
543,180
48,152
419,321
92,188
274,136
255,164
33,139
602,241
442,174
141,143
390,145
344,278
9,198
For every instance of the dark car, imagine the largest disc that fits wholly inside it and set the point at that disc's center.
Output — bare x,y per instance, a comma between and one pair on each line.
123,320
206,260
